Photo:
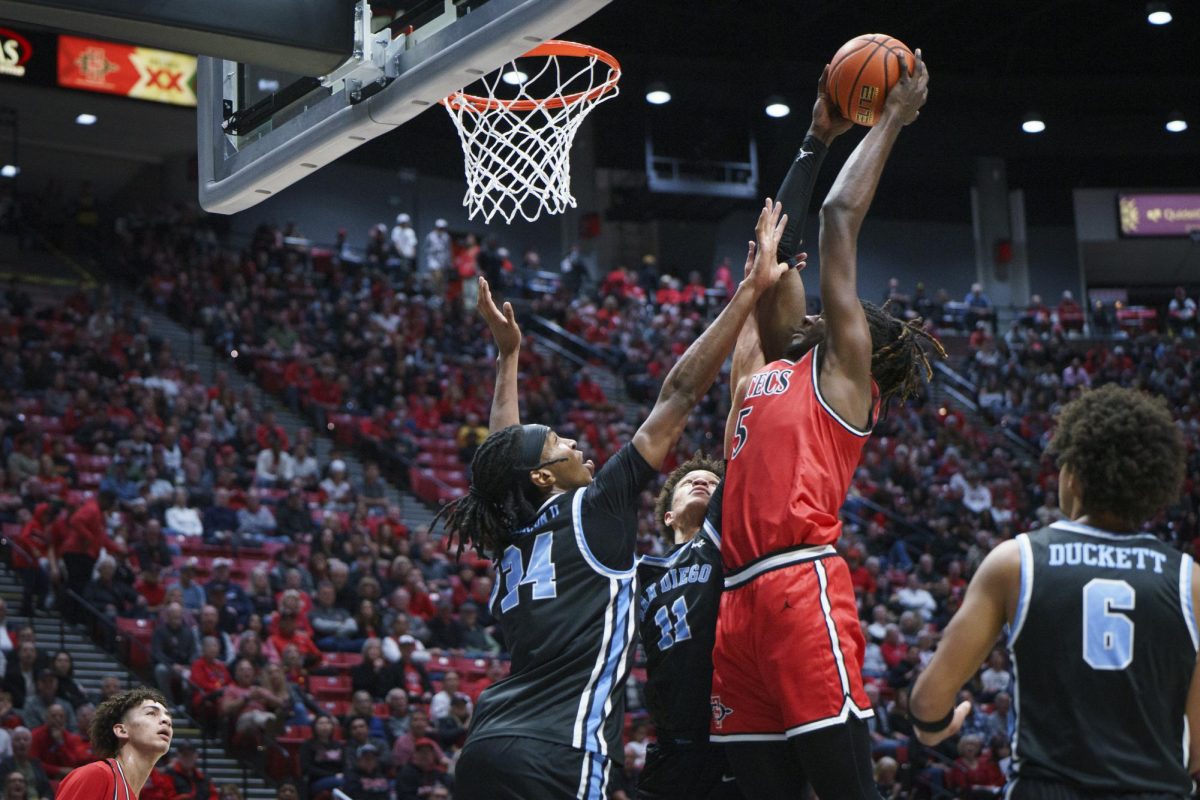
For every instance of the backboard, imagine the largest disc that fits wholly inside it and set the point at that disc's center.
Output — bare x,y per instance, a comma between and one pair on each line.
260,130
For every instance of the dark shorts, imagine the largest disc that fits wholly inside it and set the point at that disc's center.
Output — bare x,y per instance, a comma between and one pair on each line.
518,768
1033,789
696,771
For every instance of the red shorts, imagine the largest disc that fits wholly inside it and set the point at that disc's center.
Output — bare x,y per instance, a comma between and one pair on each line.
789,651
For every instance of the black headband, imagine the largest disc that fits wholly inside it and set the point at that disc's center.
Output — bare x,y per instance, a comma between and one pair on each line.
533,441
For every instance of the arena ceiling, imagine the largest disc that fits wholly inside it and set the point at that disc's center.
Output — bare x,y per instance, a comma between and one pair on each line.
1104,80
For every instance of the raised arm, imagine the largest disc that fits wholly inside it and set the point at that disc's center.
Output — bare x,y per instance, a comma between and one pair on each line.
846,359
503,325
785,304
697,368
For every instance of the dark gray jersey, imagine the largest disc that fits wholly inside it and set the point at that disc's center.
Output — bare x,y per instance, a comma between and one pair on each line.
564,597
1104,644
678,598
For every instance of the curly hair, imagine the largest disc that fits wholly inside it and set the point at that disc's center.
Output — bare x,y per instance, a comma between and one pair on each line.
698,461
1125,449
112,711
501,496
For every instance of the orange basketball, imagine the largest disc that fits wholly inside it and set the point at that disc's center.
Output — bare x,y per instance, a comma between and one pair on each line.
863,71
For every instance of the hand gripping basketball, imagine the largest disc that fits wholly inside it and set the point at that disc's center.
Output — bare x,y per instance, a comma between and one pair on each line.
905,99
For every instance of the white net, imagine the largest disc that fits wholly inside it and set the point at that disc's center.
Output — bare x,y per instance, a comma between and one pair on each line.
517,150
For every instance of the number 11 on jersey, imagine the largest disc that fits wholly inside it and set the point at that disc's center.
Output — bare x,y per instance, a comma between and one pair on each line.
673,632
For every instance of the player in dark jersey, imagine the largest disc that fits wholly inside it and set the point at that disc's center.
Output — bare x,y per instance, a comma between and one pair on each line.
678,596
787,687
1101,620
130,732
564,547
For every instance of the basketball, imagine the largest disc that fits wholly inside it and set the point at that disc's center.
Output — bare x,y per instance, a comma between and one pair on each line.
863,71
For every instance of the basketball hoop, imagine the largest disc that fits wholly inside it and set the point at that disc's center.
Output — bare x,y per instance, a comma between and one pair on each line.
517,152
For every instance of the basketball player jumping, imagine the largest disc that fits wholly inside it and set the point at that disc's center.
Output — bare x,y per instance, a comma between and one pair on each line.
1101,620
678,594
131,732
787,695
564,546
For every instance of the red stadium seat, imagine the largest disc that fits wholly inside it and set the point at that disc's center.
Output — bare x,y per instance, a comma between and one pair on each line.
330,687
345,661
334,708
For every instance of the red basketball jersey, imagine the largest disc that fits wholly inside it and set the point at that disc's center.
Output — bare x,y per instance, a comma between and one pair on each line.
791,464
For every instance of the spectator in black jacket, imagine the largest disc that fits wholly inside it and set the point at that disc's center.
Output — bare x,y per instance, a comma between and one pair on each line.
173,649
425,771
375,674
20,676
321,758
293,519
445,631
110,596
367,780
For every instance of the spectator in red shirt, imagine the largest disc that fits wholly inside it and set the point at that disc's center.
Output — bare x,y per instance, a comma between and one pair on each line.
210,676
131,732
288,633
973,771
189,782
59,750
86,535
32,544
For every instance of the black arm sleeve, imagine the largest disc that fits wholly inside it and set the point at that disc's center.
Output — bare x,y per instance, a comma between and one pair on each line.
796,194
713,517
609,508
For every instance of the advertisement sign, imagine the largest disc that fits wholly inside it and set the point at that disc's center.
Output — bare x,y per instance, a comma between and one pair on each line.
15,52
140,72
1159,214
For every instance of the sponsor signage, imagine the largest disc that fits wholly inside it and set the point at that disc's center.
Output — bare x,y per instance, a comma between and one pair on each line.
139,72
15,52
26,56
1159,214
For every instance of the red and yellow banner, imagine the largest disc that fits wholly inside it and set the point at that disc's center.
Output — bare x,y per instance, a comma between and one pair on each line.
157,75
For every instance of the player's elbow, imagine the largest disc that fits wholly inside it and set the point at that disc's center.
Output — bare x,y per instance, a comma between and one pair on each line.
839,215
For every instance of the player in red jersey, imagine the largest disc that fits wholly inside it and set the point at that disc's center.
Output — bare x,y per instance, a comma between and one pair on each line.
131,732
787,693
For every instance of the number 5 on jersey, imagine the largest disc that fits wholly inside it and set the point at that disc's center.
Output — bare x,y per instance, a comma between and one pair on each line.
540,573
740,433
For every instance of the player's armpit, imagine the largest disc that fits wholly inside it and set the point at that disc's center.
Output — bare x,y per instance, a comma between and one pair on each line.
968,639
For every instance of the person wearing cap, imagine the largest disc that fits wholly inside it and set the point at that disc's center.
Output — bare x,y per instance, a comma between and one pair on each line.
438,253
37,705
339,493
190,783
439,707
234,602
366,780
452,728
191,593
416,679
553,727
426,770
404,243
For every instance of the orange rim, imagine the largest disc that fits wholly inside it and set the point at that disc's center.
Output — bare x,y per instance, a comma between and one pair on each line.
552,47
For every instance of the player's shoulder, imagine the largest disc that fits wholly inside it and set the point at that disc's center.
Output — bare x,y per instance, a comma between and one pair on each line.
83,782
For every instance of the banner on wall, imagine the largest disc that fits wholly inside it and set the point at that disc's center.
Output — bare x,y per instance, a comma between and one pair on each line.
26,56
140,72
1159,214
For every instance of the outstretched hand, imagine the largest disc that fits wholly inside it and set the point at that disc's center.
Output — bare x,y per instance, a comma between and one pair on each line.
906,98
763,267
827,122
502,323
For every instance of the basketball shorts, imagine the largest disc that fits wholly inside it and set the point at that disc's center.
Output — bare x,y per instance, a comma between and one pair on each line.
520,768
788,658
692,771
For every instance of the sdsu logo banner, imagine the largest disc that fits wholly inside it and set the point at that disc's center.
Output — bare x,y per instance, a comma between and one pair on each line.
157,75
15,52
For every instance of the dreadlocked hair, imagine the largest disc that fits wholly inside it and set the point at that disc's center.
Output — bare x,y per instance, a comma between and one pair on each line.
698,461
500,497
899,353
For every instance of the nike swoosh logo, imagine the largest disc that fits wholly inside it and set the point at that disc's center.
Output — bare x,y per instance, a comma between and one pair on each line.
728,779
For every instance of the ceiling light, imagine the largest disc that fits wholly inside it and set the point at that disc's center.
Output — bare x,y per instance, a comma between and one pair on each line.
1033,123
777,107
1176,123
85,119
1158,14
657,94
514,77
10,171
